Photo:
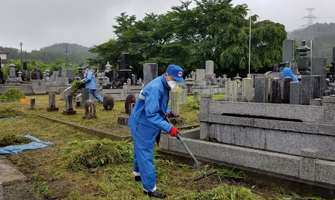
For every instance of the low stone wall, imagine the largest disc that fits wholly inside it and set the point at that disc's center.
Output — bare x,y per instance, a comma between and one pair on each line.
208,89
27,89
293,141
121,94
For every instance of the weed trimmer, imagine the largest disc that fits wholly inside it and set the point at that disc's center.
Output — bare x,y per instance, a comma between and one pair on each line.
197,164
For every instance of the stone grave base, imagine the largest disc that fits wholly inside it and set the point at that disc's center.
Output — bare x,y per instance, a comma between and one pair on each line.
124,120
69,112
176,120
52,109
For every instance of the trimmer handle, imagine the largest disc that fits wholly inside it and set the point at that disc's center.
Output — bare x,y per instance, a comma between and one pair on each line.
178,136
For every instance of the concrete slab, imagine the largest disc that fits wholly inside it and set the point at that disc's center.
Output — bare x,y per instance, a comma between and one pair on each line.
9,174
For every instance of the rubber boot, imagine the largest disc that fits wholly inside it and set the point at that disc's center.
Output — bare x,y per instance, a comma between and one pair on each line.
137,178
156,194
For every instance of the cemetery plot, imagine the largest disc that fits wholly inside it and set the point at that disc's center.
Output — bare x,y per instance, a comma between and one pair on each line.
52,173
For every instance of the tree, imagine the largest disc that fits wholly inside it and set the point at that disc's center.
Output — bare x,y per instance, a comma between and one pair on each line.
213,30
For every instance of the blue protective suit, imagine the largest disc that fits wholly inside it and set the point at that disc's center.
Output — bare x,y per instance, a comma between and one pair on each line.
91,84
287,72
146,121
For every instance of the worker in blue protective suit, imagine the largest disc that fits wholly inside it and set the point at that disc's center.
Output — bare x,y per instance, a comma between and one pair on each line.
91,84
146,121
287,73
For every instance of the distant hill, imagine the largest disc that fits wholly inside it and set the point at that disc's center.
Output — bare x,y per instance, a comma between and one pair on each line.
323,36
76,53
61,48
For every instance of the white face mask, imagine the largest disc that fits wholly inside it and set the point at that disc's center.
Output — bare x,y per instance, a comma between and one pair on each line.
173,84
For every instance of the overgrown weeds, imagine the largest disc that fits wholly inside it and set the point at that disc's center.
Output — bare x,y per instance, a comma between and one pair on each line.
40,187
93,153
224,192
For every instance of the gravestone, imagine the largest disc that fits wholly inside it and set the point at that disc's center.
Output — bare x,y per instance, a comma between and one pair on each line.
32,104
108,102
150,72
129,103
210,72
102,65
124,69
286,90
52,103
85,95
70,73
200,74
129,82
25,76
259,96
108,71
63,70
231,91
196,96
319,66
288,50
90,109
134,79
306,89
2,78
80,71
295,93
69,105
12,76
247,90
317,91
209,67
275,92
174,104
183,95
202,65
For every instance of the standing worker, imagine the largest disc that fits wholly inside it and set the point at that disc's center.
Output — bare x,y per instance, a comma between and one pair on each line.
146,121
91,84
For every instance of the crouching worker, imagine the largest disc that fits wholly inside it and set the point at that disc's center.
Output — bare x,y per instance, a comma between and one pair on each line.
91,84
146,121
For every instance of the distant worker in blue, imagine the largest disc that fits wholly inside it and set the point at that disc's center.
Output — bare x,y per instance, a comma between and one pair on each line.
91,84
287,73
146,121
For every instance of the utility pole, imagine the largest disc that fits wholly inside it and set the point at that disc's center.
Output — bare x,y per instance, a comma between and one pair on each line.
67,59
21,51
250,42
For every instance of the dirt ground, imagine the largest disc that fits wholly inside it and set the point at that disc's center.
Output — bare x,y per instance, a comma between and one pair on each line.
18,191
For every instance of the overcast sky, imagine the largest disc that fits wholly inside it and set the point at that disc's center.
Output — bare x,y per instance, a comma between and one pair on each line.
41,23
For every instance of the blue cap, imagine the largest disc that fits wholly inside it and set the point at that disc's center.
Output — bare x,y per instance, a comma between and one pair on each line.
87,67
176,72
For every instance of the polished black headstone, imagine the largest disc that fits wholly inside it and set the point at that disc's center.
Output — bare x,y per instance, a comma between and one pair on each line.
317,87
286,90
275,93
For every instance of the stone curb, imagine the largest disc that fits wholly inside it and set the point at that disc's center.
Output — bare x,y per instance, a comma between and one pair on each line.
99,133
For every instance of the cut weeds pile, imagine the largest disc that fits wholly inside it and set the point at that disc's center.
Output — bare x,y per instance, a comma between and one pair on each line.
82,166
12,139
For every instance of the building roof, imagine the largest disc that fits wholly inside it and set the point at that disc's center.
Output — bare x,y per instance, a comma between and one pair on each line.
4,52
